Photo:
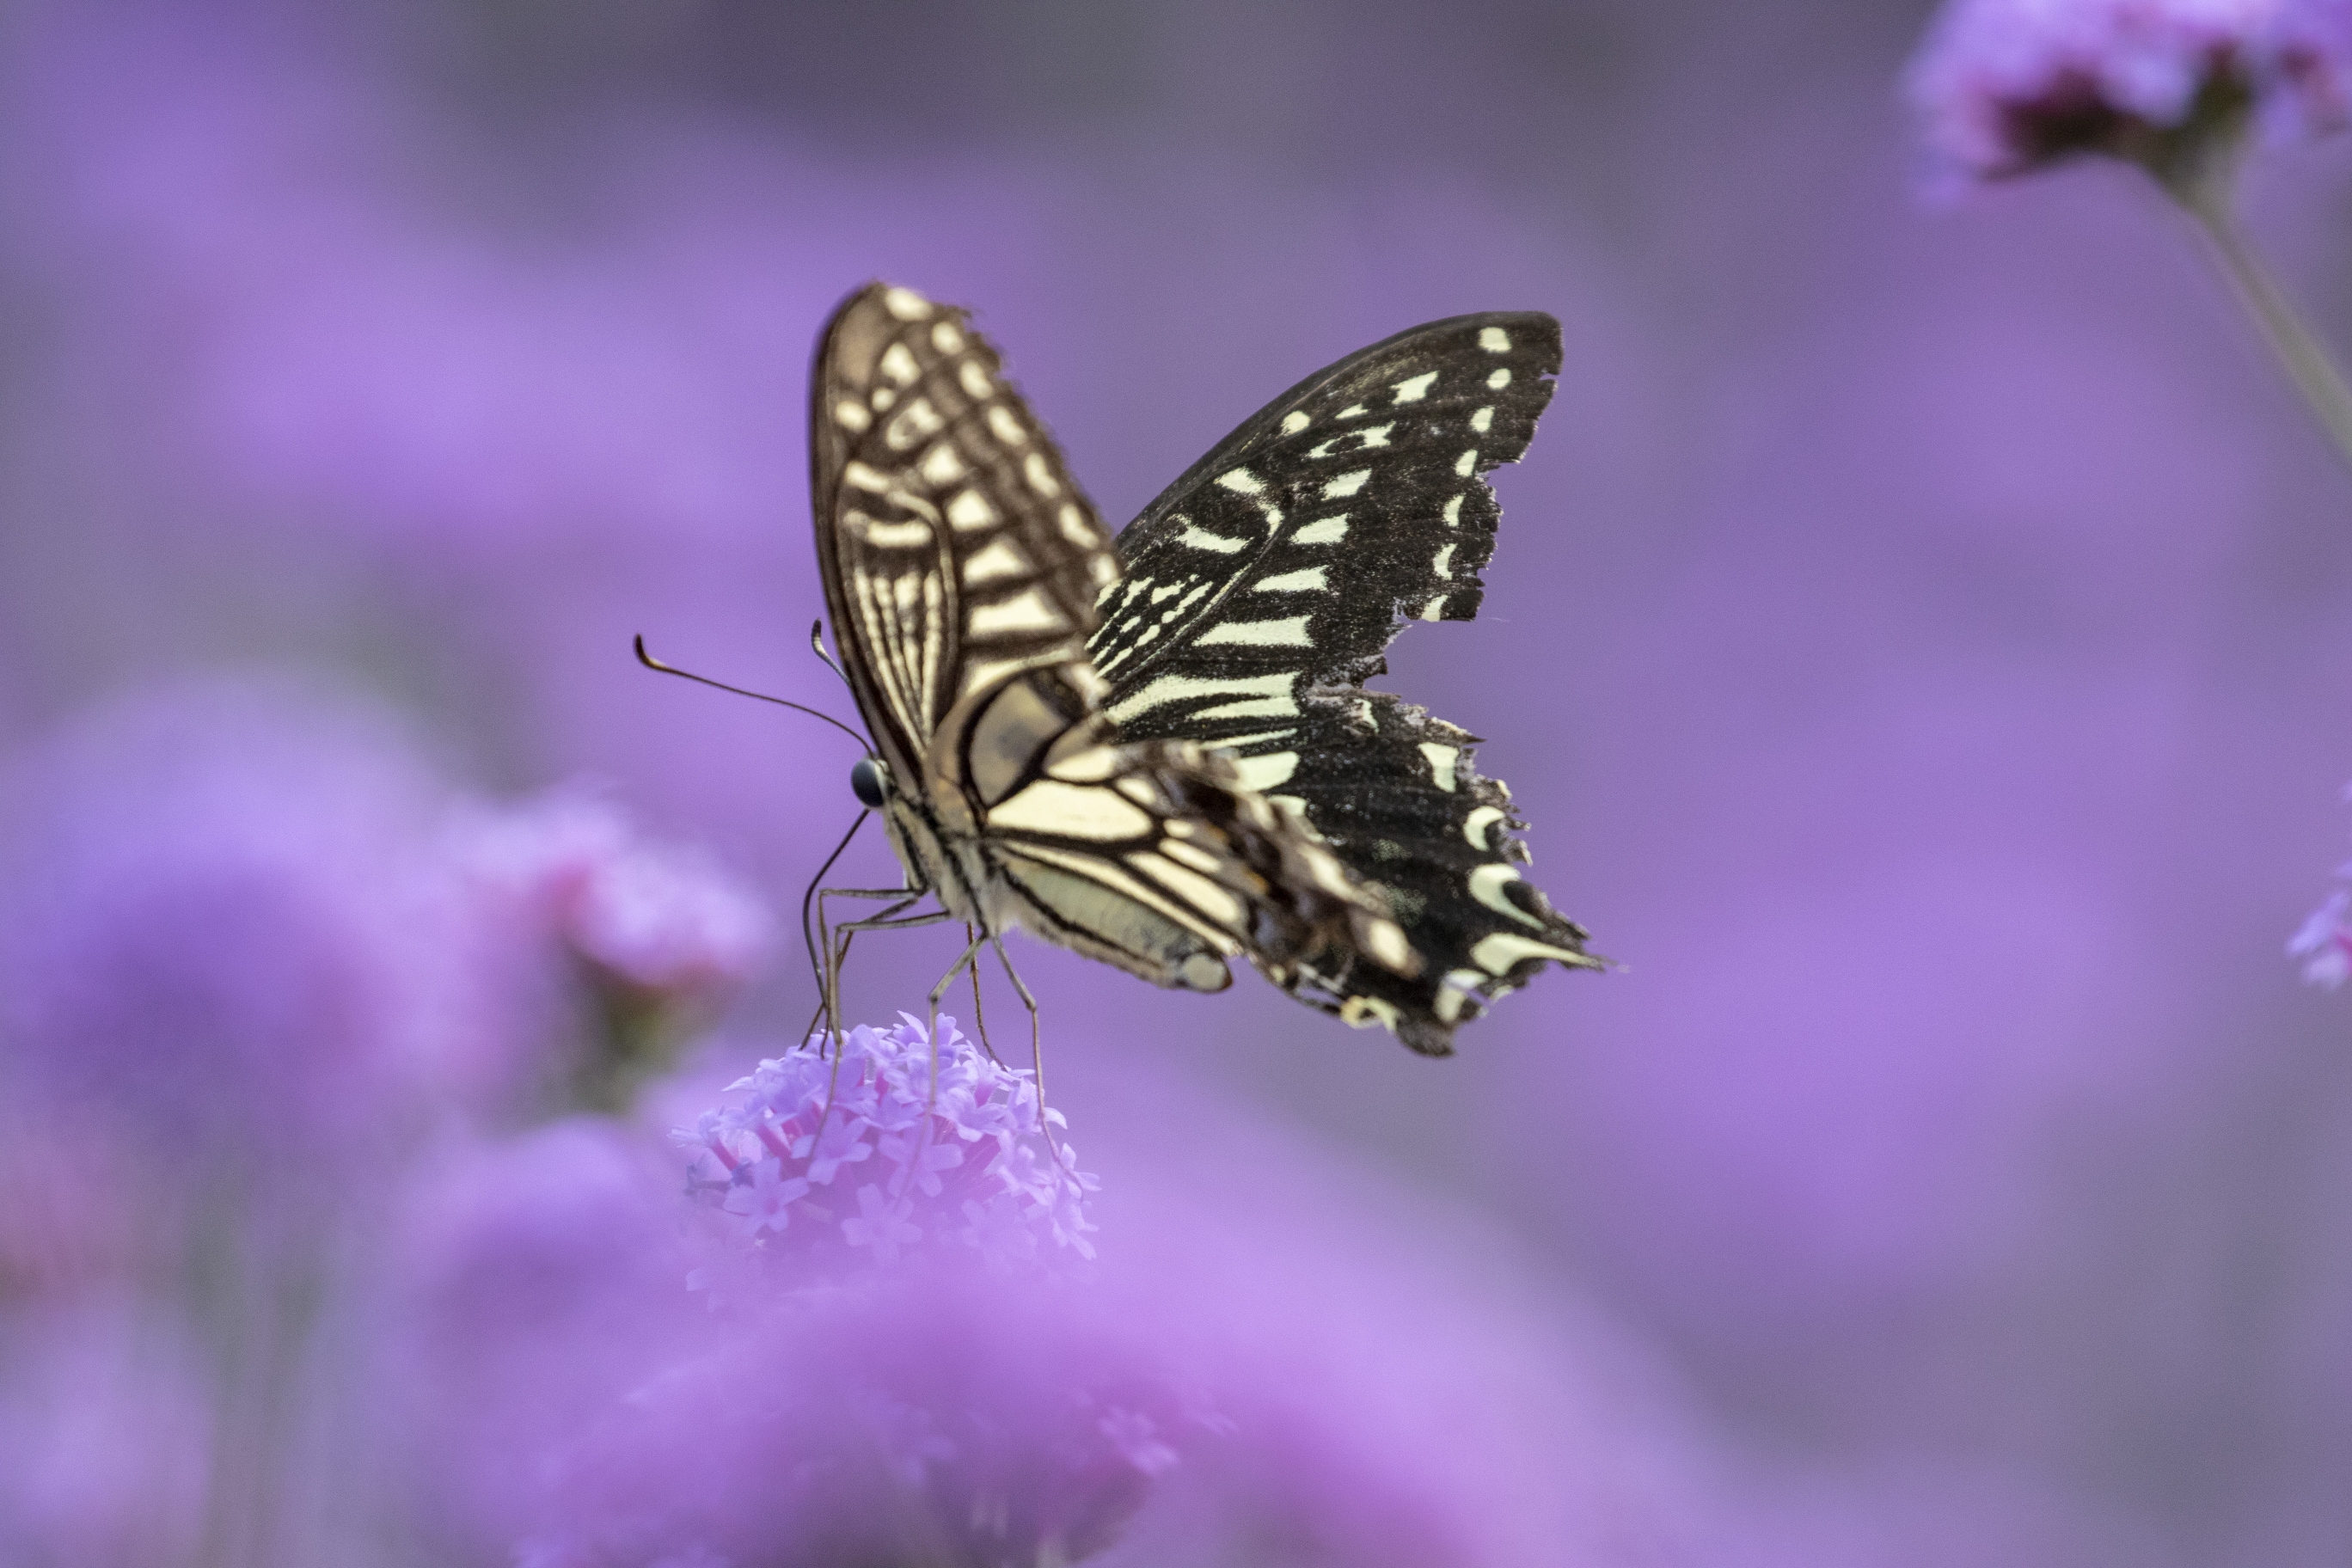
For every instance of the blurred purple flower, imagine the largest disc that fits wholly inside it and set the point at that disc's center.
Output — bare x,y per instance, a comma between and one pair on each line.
105,1433
944,1154
2008,87
882,1388
2324,941
222,923
529,1286
656,918
999,1421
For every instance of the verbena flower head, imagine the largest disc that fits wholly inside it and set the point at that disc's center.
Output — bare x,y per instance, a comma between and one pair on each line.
899,1149
2008,87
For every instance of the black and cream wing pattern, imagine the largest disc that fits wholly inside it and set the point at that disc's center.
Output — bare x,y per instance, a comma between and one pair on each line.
961,565
1260,592
1159,753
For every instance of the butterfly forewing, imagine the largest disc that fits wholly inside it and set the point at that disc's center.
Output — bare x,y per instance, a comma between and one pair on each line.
953,544
962,567
1260,592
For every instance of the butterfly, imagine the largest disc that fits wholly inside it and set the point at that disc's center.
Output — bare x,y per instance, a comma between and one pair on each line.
1158,749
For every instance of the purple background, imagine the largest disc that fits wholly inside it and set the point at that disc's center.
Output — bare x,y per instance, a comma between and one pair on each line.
1918,635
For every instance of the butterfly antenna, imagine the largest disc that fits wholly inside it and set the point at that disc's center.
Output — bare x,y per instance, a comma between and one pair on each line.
650,662
816,641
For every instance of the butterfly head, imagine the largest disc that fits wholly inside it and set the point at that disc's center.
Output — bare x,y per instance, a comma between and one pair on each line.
870,781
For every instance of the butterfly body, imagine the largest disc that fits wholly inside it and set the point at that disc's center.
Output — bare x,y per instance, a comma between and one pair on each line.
1140,750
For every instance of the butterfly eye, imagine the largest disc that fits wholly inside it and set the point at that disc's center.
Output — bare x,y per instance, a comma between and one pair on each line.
870,780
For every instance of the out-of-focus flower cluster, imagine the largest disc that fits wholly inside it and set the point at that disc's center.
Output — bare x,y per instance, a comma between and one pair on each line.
318,1245
2324,940
885,1145
2007,87
656,918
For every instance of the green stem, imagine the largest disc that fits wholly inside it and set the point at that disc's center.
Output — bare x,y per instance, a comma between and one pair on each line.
2305,362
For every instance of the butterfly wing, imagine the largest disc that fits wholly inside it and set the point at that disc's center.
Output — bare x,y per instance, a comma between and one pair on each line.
961,565
953,545
1261,590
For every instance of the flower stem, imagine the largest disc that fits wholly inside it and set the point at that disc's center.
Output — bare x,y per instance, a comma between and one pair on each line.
2305,362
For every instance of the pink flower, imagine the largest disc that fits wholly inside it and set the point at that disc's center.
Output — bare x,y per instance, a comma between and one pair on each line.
660,917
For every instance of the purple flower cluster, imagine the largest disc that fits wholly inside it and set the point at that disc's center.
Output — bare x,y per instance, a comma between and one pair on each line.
891,1144
2008,87
280,1267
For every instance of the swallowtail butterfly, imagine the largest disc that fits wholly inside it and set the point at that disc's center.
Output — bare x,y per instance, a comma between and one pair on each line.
1157,751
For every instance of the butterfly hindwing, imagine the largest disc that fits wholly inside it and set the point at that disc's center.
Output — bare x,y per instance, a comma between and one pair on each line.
1260,592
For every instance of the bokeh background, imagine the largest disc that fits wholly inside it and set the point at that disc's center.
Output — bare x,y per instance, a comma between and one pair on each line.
1918,637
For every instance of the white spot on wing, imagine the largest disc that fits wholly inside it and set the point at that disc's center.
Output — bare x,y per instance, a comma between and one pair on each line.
1465,462
910,535
1387,943
1440,762
946,337
1486,884
974,379
1353,441
852,416
1481,819
1483,421
1415,388
970,509
1242,481
1200,538
1006,428
1040,475
1323,531
1306,579
1494,339
865,478
1289,631
1246,697
995,563
1346,484
1445,557
1499,380
1454,511
1262,774
899,364
906,304
1294,422
915,423
1070,811
1025,612
1496,954
941,465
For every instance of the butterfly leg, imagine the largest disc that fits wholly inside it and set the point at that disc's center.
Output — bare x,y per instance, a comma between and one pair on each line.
1036,1043
829,967
979,1021
931,1015
836,951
